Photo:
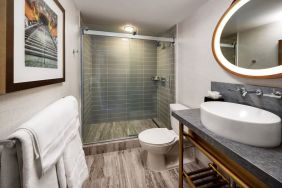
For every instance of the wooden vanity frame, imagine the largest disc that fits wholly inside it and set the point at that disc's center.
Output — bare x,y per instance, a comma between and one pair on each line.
236,172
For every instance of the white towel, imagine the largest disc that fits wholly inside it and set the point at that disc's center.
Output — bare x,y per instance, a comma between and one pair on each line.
29,172
72,169
10,174
75,163
52,154
51,130
61,173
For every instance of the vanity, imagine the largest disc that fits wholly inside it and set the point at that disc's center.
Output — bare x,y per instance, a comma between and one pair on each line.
241,138
246,165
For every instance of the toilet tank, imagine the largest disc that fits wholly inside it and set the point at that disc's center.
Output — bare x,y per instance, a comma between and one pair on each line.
174,122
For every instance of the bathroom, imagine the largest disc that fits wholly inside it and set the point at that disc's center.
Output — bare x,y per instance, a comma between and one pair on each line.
136,75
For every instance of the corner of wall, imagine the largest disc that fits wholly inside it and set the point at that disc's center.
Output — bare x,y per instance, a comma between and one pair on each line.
176,51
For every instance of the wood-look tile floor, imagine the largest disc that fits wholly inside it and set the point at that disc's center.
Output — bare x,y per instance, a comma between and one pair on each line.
115,130
125,169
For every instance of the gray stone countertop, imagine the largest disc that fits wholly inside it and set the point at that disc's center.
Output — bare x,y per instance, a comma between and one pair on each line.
264,163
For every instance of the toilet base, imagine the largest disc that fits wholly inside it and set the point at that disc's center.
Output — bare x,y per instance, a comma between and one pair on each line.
173,161
156,162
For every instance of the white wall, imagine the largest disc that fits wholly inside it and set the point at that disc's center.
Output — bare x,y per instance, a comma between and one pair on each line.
261,44
16,108
196,66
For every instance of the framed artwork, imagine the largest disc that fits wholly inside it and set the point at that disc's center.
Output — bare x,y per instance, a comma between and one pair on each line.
34,49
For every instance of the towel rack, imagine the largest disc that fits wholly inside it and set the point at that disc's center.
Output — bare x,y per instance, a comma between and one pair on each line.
8,143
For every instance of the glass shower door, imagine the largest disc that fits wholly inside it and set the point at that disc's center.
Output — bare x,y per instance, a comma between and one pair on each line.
119,96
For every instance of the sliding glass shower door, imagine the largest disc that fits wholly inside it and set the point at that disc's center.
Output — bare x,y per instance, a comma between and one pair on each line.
119,95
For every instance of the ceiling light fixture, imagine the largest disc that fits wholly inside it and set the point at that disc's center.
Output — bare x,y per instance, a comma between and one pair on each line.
129,28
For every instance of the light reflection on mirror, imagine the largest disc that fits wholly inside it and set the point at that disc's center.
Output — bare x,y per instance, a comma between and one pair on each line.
252,38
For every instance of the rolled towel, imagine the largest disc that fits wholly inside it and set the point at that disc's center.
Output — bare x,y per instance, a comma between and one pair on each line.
214,94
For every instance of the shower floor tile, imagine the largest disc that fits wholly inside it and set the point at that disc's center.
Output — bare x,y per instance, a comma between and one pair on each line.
125,169
115,130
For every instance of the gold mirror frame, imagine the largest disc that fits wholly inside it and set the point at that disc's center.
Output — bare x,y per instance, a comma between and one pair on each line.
274,72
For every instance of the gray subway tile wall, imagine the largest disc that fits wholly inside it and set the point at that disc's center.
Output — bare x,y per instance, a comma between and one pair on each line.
118,82
165,90
87,70
121,81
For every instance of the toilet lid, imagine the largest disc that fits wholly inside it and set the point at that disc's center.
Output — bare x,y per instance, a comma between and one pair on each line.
157,136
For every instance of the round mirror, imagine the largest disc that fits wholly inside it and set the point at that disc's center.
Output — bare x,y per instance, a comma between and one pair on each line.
248,39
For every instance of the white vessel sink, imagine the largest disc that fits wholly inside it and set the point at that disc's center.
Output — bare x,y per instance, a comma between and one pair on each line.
241,123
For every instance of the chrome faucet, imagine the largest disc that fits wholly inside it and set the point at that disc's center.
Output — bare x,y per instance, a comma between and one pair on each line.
243,91
258,92
274,94
277,93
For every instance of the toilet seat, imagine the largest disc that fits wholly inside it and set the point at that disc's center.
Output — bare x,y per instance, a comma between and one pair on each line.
157,136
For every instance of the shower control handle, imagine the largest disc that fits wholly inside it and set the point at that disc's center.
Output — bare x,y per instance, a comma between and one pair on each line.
163,79
156,78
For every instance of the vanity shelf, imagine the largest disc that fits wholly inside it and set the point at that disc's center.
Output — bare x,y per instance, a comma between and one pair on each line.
208,177
245,165
232,170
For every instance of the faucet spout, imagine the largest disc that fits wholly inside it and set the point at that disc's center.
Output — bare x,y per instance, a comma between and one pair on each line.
244,92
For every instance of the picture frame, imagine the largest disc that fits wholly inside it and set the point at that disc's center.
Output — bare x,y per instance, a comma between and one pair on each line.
32,49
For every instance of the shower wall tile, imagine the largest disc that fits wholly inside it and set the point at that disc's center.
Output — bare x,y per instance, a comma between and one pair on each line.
87,69
165,90
121,81
118,76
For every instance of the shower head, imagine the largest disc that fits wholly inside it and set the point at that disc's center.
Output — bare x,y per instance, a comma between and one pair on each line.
158,43
161,45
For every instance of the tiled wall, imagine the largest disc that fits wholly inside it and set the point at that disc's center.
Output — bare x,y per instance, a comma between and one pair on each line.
87,74
122,88
166,89
273,105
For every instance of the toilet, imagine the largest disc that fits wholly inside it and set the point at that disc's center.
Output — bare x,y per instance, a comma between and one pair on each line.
161,144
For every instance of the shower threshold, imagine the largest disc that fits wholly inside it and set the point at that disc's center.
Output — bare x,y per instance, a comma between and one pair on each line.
109,131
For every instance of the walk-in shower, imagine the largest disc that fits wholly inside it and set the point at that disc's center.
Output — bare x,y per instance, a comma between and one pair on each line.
128,84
